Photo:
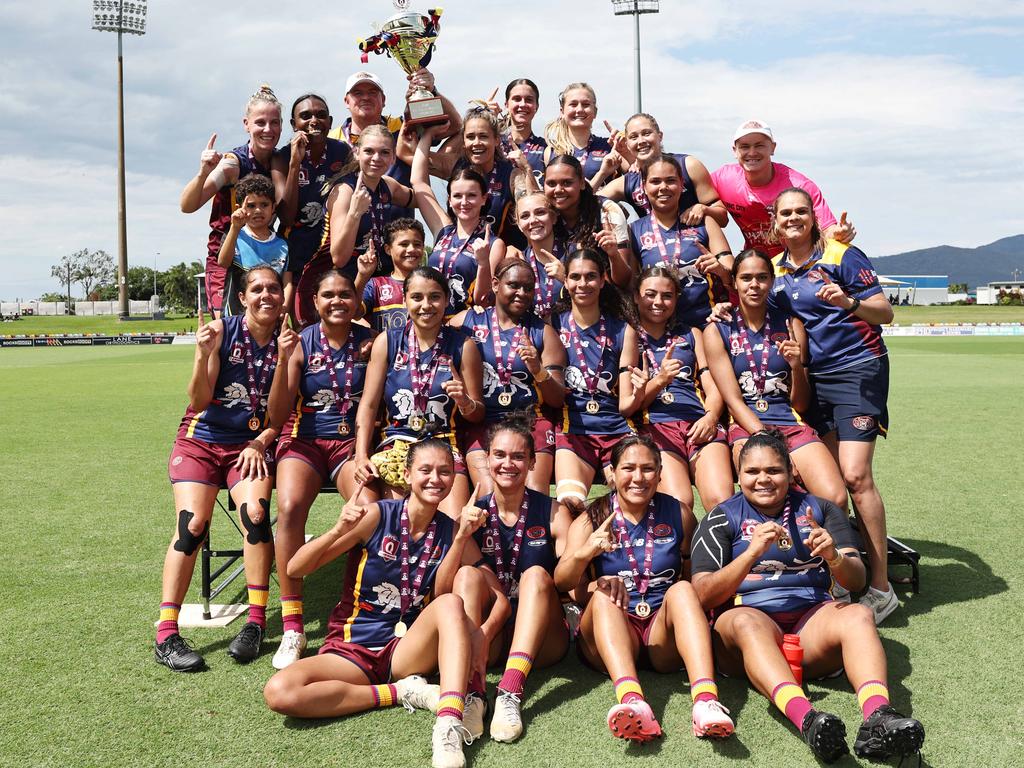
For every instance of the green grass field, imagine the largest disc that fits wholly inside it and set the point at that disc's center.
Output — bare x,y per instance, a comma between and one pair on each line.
86,434
111,325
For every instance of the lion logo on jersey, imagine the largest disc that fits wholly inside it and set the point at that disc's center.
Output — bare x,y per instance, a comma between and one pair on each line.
405,407
776,567
775,384
689,275
235,394
311,215
518,382
457,285
322,398
575,381
668,576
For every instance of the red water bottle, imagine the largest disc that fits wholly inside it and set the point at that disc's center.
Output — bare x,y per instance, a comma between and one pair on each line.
795,656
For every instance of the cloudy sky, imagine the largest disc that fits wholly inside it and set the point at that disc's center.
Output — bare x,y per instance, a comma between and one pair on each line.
908,113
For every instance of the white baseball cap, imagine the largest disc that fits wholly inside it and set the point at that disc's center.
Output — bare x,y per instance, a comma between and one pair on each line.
363,77
752,126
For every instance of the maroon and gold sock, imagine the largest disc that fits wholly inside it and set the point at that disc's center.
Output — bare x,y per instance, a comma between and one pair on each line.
451,704
516,669
291,613
168,621
704,689
628,689
872,695
258,596
790,699
384,696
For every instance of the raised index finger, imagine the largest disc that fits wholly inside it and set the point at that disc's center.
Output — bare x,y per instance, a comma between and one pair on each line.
606,525
213,140
476,488
842,219
493,94
608,127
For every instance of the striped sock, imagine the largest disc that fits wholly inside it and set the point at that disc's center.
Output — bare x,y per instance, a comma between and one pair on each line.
258,597
451,704
704,689
477,685
168,621
790,699
516,669
872,695
291,613
627,689
384,696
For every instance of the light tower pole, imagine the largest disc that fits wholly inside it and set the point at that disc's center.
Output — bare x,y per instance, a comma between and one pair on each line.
635,8
120,17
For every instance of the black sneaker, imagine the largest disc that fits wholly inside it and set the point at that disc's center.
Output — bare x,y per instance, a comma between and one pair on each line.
246,645
825,734
887,733
175,653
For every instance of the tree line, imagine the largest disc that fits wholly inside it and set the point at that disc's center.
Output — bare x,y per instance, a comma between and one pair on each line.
95,274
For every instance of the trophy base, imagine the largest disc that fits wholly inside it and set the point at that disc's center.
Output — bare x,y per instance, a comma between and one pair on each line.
428,111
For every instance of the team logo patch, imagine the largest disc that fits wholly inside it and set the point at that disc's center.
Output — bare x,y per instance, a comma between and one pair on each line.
316,362
388,548
236,355
480,332
747,529
817,276
177,460
690,234
662,529
862,422
488,546
535,532
386,292
868,276
337,166
778,338
646,240
549,436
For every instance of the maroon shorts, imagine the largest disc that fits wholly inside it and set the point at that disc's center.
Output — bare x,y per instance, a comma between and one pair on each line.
376,665
797,435
638,628
325,456
596,450
196,461
216,276
790,622
671,436
473,436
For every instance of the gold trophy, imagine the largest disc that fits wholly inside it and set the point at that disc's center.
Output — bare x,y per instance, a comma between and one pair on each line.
408,37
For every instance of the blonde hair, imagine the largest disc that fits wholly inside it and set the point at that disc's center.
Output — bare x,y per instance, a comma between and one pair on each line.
352,164
264,95
557,131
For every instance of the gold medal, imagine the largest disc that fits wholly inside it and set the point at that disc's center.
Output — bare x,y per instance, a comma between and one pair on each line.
401,629
505,399
344,428
593,406
416,423
761,405
643,609
254,424
667,397
784,543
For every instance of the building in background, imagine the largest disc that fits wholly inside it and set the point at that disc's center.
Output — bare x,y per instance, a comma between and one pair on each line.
989,294
915,289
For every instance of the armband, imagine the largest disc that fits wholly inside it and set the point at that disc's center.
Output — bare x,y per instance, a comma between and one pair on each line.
855,307
700,372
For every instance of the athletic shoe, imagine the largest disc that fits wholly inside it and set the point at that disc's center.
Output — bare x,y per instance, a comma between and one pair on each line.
507,723
293,643
634,721
414,692
246,645
887,733
880,603
825,734
711,718
176,653
446,743
473,715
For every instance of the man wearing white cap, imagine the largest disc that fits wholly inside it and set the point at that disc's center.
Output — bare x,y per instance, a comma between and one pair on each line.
749,186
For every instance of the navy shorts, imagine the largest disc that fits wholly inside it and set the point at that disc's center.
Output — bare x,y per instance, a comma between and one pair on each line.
853,402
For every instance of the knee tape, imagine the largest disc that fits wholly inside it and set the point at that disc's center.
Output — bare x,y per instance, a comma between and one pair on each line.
257,533
570,489
188,543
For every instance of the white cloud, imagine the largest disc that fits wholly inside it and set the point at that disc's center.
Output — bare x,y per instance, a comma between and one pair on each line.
916,147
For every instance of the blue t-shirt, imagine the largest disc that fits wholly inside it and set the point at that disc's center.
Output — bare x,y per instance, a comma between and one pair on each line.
666,558
837,338
371,603
783,579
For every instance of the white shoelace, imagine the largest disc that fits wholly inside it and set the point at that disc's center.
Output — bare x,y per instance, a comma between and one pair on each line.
509,705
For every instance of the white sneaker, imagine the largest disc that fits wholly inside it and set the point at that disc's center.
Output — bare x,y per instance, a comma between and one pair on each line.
414,692
507,723
292,645
880,603
473,715
446,743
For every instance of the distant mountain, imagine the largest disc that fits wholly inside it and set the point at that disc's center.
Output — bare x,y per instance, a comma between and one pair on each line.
974,266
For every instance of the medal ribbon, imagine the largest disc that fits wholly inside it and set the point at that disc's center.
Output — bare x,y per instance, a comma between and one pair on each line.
503,366
407,594
342,399
446,243
660,242
269,359
786,510
506,576
544,287
377,209
422,374
758,371
590,378
647,348
642,580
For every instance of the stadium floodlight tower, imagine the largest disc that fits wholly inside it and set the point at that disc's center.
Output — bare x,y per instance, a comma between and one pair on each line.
130,18
635,8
